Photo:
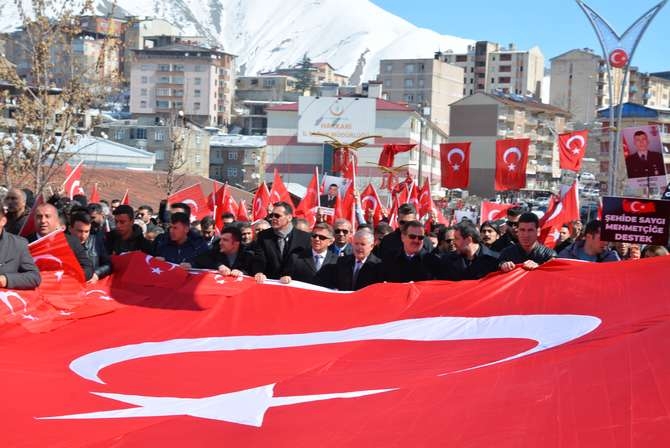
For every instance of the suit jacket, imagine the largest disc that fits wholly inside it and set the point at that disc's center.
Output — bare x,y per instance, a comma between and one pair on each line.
454,266
653,166
16,263
348,250
268,259
213,258
340,275
301,266
400,269
391,245
323,200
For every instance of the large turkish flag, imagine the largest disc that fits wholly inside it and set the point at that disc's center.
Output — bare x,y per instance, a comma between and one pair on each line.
455,164
571,149
507,361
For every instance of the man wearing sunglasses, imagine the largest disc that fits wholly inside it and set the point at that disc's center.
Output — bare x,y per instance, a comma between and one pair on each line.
472,259
392,243
343,232
412,263
275,245
508,230
305,265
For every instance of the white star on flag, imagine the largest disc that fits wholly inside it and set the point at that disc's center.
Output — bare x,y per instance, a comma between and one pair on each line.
157,271
575,151
456,167
511,167
59,275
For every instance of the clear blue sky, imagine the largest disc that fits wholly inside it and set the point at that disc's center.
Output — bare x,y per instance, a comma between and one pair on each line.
556,26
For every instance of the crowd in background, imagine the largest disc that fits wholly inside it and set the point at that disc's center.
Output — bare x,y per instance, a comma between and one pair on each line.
330,254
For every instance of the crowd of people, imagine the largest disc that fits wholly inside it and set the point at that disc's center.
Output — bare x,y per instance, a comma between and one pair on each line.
334,255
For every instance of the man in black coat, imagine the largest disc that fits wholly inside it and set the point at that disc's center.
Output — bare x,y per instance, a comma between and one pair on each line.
17,267
126,236
529,252
391,244
46,222
355,271
275,245
472,259
412,263
227,254
93,243
305,265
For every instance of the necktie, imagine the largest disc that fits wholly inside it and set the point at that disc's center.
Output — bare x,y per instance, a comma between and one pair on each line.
281,242
318,261
354,278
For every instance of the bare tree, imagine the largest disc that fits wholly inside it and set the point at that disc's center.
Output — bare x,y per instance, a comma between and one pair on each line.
179,135
48,103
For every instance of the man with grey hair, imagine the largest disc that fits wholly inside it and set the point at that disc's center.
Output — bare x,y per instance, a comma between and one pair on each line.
354,271
16,215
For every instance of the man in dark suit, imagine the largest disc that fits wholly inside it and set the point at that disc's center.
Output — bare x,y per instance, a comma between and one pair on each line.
228,255
412,263
17,267
391,244
275,245
643,162
328,199
472,259
305,265
342,232
355,271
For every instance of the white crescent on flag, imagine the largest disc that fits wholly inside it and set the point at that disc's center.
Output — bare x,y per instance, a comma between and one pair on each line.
48,257
5,296
512,150
556,212
458,151
577,138
249,406
191,202
370,198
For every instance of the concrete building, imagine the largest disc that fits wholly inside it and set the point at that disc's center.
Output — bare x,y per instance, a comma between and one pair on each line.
253,94
483,118
394,122
183,77
103,153
427,85
579,84
322,72
136,31
489,67
238,160
159,139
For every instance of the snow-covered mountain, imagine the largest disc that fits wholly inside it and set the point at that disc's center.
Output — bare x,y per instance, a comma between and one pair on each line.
352,35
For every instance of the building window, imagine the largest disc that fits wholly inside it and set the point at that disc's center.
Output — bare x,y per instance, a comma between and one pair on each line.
164,80
421,83
505,68
232,155
179,92
198,139
472,69
145,67
409,98
268,83
178,68
159,135
480,64
143,92
421,67
198,68
140,133
506,57
143,104
163,67
162,104
389,67
481,75
197,158
177,80
472,80
197,81
196,93
409,68
160,154
196,106
504,80
178,105
409,83
144,80
120,134
162,91
231,172
254,82
461,58
388,83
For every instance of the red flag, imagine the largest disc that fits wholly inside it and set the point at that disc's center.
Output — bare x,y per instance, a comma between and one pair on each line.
242,212
511,161
371,204
310,202
261,202
216,196
387,156
492,211
140,270
393,212
95,195
355,369
29,226
72,184
194,198
125,200
566,210
425,200
278,192
344,207
572,148
455,164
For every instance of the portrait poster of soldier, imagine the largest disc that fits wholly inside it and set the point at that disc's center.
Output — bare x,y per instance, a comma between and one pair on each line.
644,156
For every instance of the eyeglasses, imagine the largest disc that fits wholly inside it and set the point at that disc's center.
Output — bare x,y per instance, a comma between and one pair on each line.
342,231
276,215
412,236
402,223
321,237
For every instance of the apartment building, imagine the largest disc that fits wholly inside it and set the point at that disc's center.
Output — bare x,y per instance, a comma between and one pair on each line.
254,94
238,160
483,118
159,138
490,67
321,72
426,85
579,84
184,77
136,31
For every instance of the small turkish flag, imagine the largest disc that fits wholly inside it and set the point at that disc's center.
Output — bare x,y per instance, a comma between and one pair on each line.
565,210
492,211
638,207
279,192
511,161
194,198
387,156
261,202
455,164
72,184
371,204
307,207
95,195
572,148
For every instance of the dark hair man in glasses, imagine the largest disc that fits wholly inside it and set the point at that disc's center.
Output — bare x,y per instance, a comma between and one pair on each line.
304,266
508,230
342,231
413,262
275,245
392,243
